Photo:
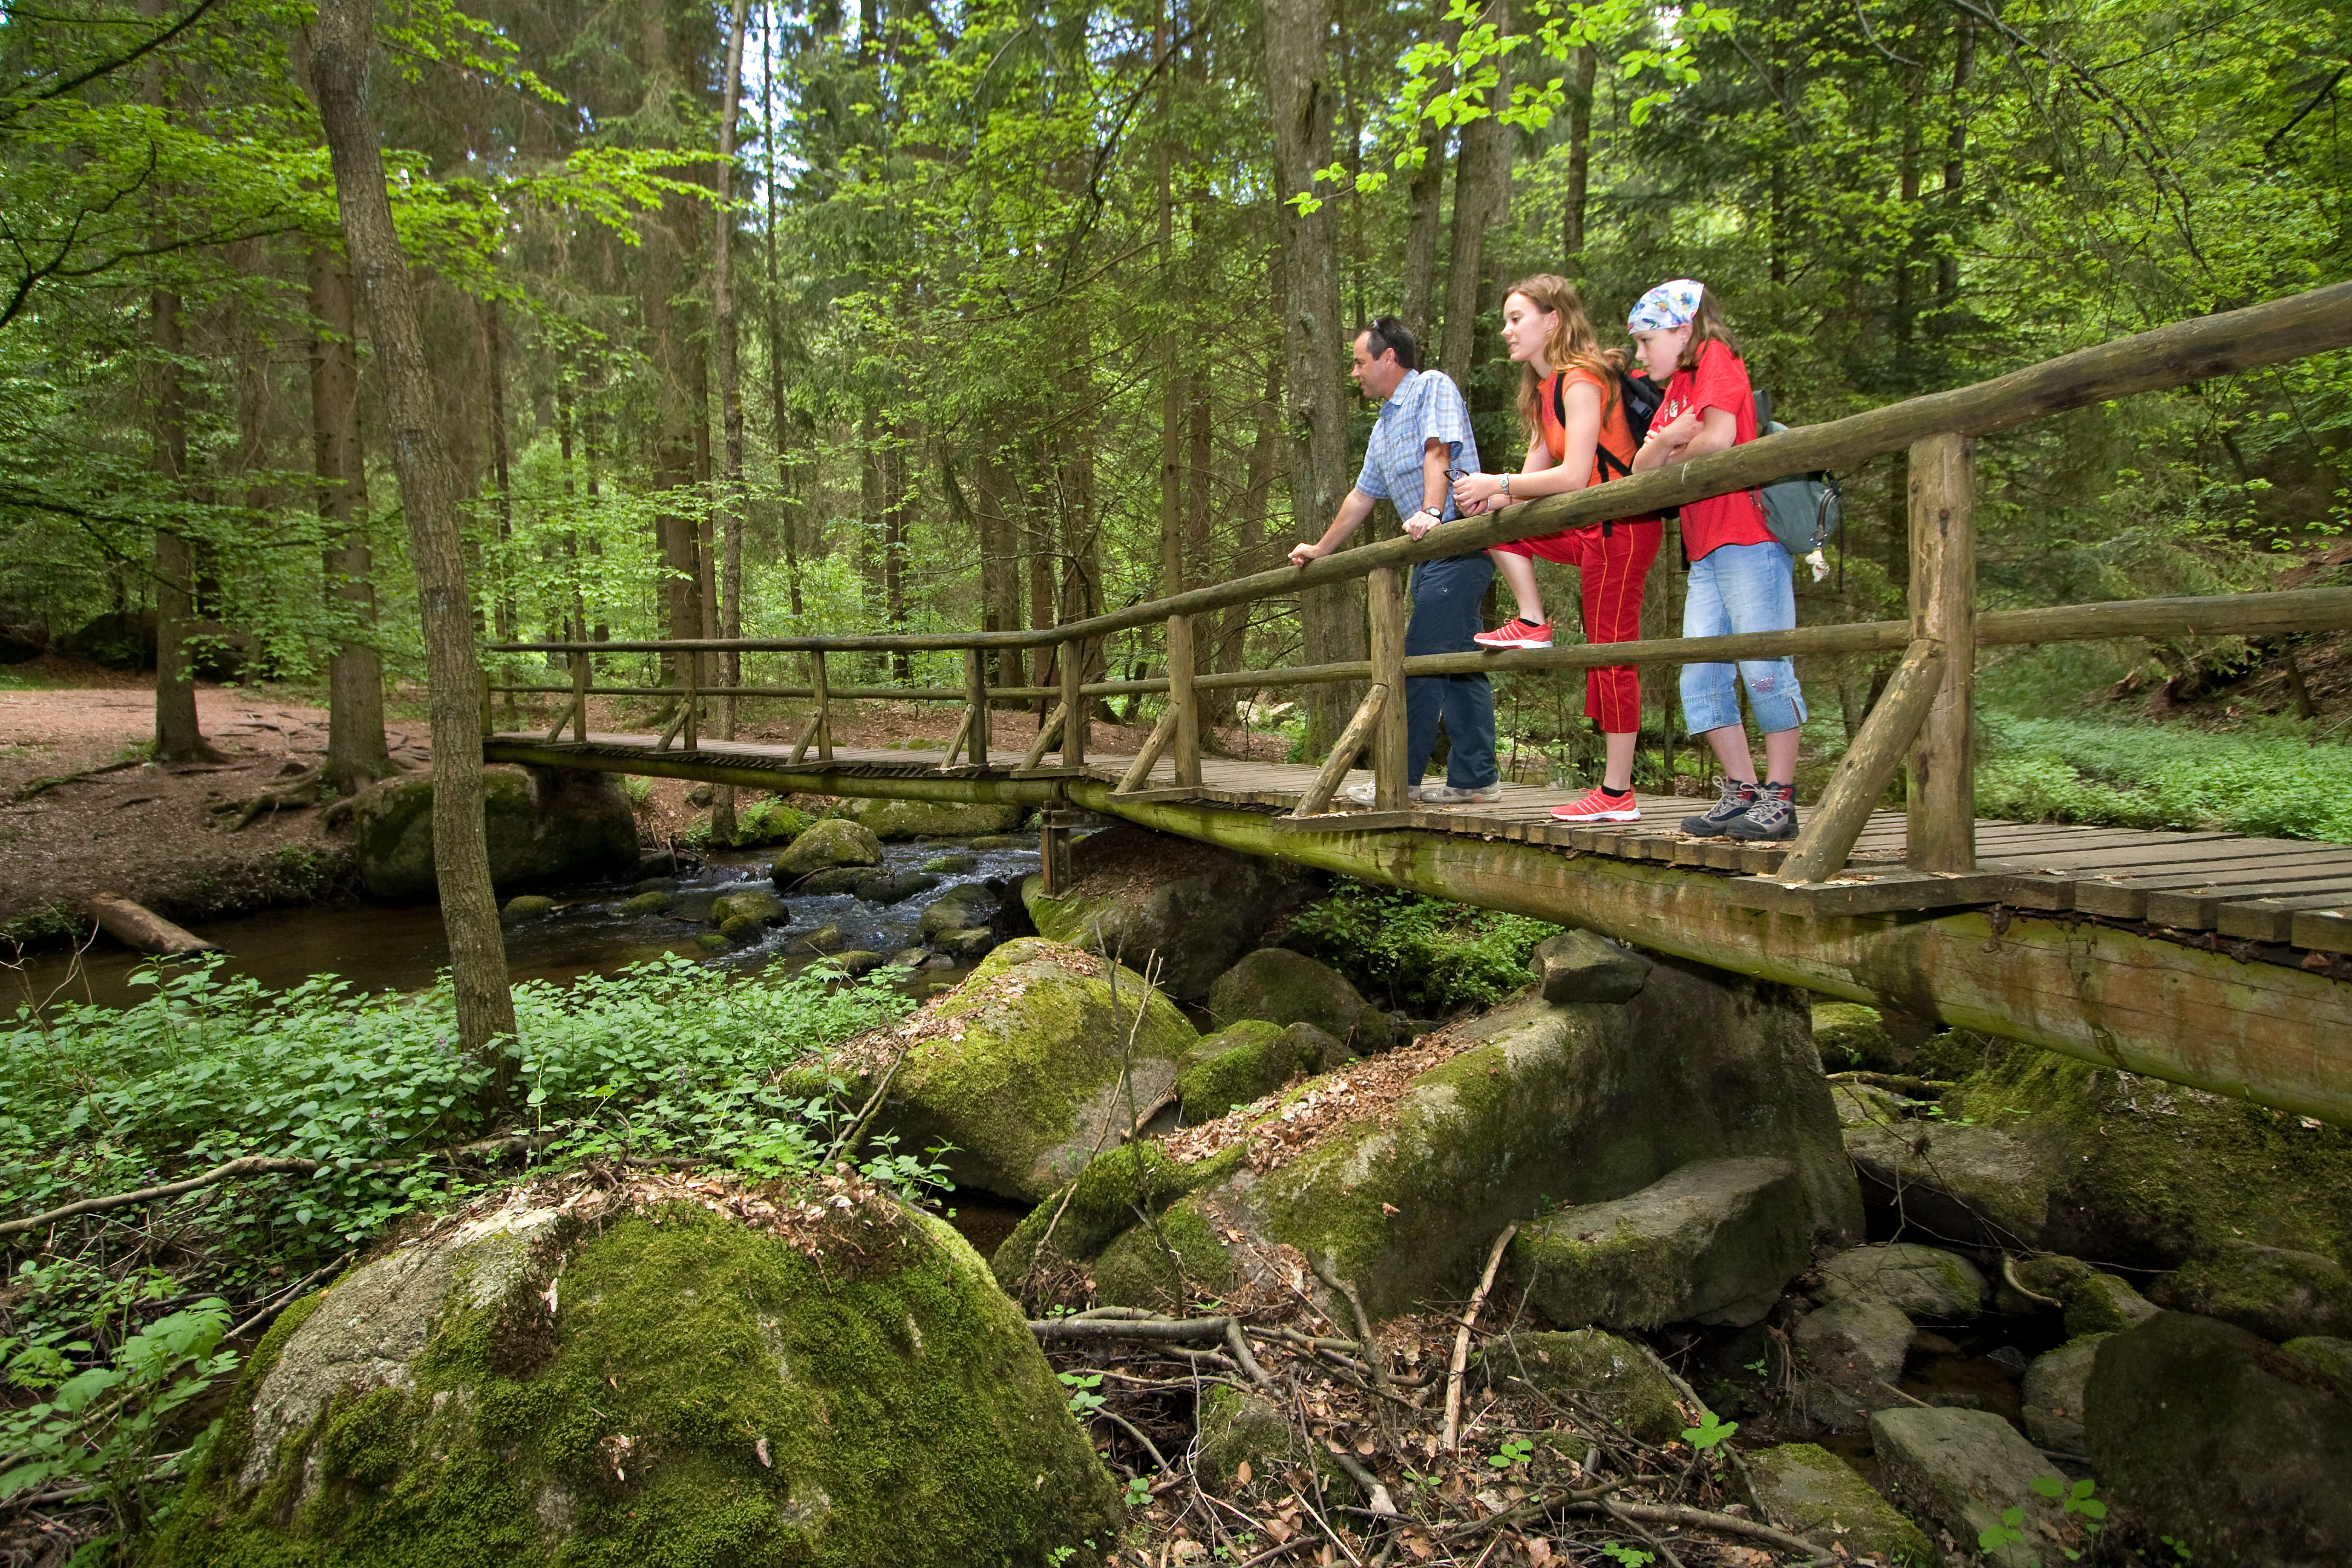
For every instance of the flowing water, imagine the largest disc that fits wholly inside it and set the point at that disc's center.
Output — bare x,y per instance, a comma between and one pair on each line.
402,947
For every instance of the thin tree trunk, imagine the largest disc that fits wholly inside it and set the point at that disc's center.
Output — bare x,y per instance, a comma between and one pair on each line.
1482,184
1956,166
355,749
1302,100
495,366
178,737
1580,164
340,39
999,557
1425,212
731,406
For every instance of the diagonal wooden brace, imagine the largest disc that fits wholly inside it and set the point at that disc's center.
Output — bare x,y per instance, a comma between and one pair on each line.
1317,799
1869,765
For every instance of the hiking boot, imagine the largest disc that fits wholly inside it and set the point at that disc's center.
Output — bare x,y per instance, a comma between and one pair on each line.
1738,796
1599,808
1515,633
1449,794
1773,816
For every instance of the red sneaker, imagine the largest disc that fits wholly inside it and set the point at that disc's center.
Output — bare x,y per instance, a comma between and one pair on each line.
1515,633
1599,808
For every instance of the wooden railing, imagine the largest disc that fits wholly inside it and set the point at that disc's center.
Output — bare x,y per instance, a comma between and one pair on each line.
1924,719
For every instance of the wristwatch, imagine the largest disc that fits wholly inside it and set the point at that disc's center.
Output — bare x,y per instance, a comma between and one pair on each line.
1506,486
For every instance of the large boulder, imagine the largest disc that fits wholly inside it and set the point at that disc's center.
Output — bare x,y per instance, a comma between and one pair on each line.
1852,1349
2278,1292
1397,1172
1591,1364
2051,1398
895,821
545,826
1033,1062
1804,1488
1285,987
2230,1446
1849,1035
770,820
1965,1469
1931,1285
960,908
1711,1242
1248,1060
1139,895
807,1374
826,845
1975,1184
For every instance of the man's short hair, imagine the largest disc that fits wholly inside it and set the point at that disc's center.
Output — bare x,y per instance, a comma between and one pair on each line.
1387,332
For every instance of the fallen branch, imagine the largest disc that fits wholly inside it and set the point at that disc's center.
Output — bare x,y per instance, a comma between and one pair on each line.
1162,1331
136,926
1703,1519
52,780
1452,1441
249,1165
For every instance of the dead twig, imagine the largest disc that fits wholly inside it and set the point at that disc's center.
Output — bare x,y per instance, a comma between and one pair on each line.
249,1165
1455,1368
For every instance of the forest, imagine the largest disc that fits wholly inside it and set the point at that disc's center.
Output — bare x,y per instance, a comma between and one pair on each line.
774,320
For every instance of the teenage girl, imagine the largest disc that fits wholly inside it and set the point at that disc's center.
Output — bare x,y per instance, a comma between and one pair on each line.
1739,574
1576,418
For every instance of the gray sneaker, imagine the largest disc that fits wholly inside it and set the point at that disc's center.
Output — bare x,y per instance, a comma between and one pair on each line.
1448,795
1773,816
1738,797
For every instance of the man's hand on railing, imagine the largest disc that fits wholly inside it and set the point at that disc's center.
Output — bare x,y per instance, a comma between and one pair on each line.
1304,551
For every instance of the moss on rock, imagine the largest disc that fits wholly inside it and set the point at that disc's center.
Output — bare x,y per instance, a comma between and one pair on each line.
1804,1488
1287,987
543,824
1849,1035
2278,1292
1249,1060
827,846
1597,1366
705,1393
893,821
770,820
1020,1069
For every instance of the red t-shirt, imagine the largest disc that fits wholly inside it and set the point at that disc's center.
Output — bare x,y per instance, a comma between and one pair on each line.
1719,382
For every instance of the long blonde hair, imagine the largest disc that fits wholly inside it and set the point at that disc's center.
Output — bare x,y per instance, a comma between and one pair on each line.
1572,345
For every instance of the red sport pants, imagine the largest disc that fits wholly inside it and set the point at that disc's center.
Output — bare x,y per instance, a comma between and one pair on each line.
1612,562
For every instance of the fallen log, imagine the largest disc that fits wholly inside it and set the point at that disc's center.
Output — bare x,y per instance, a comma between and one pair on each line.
133,925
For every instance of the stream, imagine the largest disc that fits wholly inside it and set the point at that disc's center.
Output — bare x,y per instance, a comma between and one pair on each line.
402,947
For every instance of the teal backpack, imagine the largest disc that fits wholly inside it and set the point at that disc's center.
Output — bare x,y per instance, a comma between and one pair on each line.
1803,509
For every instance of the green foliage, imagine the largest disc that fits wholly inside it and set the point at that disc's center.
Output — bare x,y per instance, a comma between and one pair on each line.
93,1429
2074,1501
667,1058
2137,775
1709,1431
1627,1556
1423,954
1085,1397
1512,1451
2010,1532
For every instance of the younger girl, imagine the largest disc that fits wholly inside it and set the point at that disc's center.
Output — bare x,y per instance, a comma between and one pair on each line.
1739,574
1569,397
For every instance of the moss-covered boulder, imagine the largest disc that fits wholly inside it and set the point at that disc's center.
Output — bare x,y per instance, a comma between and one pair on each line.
649,903
961,908
895,887
1810,1491
1249,1060
1849,1035
770,820
1240,1428
1975,1184
2278,1292
2051,1398
525,907
544,825
2104,1304
2215,1437
2331,1357
1143,895
1964,1469
1607,1373
778,1376
894,821
1400,1181
1286,987
756,905
2146,1173
1028,1064
832,843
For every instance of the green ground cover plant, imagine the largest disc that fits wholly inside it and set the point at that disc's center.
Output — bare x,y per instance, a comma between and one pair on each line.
2274,784
1428,956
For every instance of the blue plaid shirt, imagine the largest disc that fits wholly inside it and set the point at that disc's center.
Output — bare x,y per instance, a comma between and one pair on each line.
1425,406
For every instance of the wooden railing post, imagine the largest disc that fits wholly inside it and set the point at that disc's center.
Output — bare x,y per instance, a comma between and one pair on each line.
1074,703
975,693
482,687
1183,700
1940,801
1388,615
583,675
692,666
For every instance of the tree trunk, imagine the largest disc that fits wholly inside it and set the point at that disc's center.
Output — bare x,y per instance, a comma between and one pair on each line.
1249,539
1580,164
730,408
355,749
1482,186
1956,155
340,39
1330,618
1425,212
494,355
178,737
999,557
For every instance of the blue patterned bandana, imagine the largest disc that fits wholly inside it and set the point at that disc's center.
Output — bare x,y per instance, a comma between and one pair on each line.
1665,307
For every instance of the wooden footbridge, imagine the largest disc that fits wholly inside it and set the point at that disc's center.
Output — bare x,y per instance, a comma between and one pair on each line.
2210,958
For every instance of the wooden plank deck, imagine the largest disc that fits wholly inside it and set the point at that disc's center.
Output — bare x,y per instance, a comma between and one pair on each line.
2274,891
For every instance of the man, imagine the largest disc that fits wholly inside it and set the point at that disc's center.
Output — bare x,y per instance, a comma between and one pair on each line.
1424,430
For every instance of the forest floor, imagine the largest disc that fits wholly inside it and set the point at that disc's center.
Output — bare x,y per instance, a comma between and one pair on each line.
82,812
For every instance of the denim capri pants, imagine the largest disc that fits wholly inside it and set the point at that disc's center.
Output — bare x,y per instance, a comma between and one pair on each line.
1741,588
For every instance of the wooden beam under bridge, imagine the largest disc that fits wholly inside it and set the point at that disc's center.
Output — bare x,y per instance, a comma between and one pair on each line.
2264,1032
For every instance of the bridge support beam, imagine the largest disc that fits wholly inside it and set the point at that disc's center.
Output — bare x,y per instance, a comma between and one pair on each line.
2261,1032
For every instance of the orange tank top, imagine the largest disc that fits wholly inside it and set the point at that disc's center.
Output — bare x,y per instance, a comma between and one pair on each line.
1616,436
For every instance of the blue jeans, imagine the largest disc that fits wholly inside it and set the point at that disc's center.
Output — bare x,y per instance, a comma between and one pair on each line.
1446,602
1741,588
